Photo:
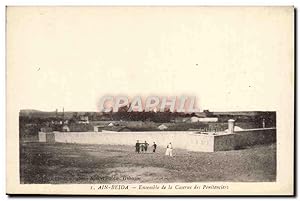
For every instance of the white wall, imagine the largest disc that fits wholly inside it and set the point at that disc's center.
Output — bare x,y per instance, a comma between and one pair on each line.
42,137
179,139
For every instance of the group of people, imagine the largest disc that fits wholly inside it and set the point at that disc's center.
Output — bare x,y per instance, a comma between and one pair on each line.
142,147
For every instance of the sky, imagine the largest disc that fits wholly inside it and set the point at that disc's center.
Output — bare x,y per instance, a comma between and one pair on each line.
229,59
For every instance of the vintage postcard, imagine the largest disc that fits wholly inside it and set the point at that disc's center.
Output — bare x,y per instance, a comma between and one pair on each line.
150,100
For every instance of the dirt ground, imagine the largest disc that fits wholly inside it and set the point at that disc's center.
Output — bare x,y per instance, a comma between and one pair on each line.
73,163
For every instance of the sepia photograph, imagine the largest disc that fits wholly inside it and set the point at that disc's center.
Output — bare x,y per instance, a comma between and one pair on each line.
150,100
146,147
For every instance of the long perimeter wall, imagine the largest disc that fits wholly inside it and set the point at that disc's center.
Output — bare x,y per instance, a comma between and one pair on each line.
183,140
180,139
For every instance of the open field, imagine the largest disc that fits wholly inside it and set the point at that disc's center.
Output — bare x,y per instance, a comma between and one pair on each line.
73,163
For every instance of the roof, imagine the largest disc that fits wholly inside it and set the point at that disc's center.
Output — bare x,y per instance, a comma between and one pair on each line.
46,129
115,128
162,127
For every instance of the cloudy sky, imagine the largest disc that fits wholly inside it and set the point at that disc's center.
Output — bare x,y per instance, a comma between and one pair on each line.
230,59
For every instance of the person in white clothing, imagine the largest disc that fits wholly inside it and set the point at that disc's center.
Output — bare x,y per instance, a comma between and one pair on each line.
169,151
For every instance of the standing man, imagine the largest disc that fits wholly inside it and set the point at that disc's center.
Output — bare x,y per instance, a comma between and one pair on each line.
154,147
146,146
137,147
142,147
169,151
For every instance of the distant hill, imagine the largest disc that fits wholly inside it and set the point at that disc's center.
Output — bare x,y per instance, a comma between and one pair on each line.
242,113
50,114
241,116
36,113
29,111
